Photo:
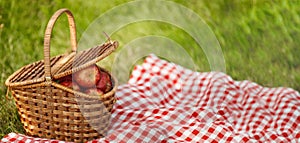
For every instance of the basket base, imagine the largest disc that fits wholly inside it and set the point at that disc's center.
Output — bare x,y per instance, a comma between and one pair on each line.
56,114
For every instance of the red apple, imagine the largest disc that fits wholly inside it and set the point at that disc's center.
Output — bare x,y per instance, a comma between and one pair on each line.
88,77
93,92
70,84
67,82
104,83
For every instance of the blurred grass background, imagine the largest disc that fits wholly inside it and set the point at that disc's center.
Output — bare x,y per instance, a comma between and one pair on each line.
260,39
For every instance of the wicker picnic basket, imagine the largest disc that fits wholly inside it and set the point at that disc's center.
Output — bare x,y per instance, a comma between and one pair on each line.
50,110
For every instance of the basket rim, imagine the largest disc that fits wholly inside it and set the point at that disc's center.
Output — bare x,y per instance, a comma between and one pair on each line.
76,93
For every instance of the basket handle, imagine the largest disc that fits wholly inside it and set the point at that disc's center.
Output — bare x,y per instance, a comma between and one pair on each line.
47,38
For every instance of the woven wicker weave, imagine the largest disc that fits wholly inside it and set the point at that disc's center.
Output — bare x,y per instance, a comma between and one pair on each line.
48,109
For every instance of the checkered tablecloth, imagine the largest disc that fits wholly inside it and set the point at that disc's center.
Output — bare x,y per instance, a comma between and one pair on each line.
164,102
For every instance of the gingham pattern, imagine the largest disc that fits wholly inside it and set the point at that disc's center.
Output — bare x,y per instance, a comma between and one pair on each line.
164,102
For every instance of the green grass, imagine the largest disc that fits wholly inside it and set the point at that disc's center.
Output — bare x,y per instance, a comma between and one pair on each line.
259,39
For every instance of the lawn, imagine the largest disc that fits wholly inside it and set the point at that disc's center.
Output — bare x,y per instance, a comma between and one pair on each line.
259,39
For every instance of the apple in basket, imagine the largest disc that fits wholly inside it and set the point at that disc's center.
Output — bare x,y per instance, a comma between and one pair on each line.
67,82
91,80
104,83
88,77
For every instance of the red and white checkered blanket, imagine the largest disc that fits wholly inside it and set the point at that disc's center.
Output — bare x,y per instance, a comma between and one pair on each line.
164,102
